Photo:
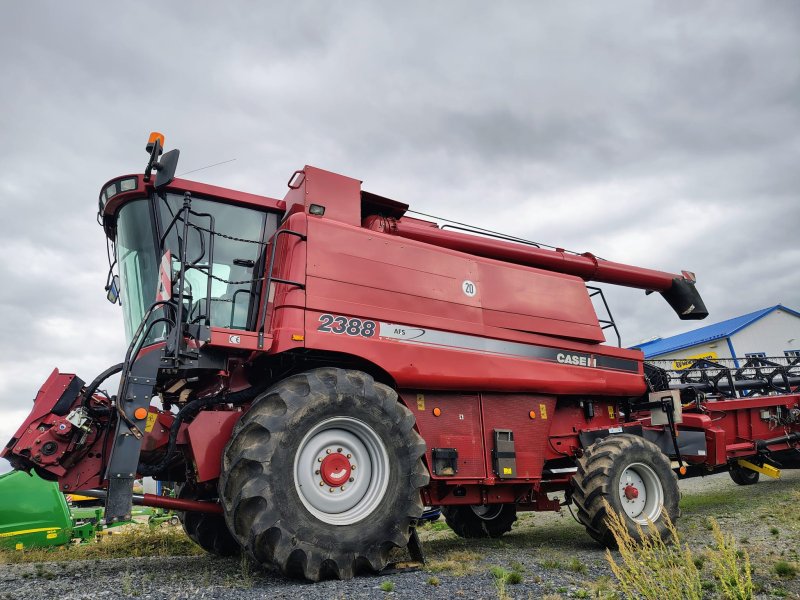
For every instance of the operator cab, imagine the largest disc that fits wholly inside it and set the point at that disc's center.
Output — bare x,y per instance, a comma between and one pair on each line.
220,247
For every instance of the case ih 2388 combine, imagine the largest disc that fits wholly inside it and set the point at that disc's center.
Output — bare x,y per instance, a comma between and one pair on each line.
327,365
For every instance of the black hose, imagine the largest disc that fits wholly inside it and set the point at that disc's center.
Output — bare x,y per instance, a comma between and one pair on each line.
89,392
190,410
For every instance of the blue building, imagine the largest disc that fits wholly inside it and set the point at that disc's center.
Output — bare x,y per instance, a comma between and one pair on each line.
770,332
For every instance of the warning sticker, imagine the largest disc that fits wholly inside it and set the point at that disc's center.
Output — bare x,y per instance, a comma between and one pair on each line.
151,421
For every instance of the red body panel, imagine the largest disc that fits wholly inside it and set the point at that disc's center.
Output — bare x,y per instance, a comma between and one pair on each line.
208,434
733,426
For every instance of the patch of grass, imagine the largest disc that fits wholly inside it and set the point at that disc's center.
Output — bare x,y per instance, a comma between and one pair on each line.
514,578
434,581
134,541
576,566
712,501
516,566
387,586
456,562
775,531
602,588
438,526
581,593
503,577
785,569
551,563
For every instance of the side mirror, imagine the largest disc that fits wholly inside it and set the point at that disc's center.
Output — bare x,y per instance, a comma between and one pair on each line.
112,290
165,168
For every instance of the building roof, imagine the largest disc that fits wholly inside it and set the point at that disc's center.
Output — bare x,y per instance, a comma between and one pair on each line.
708,333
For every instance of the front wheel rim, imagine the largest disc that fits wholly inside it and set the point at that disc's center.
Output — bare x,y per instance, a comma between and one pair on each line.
341,470
641,494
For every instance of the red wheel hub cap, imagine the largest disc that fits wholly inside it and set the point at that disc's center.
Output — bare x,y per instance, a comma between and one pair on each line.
335,469
631,492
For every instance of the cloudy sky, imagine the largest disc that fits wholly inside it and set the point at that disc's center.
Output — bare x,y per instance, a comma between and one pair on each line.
662,134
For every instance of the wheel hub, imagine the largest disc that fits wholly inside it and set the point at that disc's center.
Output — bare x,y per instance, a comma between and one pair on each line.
335,469
631,493
640,493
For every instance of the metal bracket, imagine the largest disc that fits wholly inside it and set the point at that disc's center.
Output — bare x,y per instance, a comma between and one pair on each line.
767,470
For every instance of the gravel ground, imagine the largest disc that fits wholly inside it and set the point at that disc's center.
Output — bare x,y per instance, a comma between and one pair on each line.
552,552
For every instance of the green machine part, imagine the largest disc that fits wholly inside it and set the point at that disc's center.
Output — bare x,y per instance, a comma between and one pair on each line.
33,512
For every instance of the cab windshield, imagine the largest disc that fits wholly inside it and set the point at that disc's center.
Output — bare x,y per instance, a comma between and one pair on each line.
230,259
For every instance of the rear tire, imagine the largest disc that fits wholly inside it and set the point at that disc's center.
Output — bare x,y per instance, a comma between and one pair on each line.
207,530
742,476
331,519
488,521
636,480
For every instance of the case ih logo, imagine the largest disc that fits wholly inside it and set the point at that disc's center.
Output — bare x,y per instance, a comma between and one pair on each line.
580,360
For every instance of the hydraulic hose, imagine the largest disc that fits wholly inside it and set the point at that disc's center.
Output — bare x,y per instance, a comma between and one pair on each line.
92,388
190,410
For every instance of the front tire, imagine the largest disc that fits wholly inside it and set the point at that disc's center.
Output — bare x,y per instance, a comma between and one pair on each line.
633,477
322,475
490,521
207,530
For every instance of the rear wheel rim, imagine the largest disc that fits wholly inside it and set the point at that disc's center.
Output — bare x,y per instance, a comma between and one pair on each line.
486,512
341,470
648,501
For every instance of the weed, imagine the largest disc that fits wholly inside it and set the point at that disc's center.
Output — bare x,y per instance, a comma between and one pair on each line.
775,531
434,581
498,572
744,540
457,562
562,589
387,586
731,566
581,593
246,572
651,569
499,577
517,566
126,582
576,566
602,588
785,569
514,577
551,563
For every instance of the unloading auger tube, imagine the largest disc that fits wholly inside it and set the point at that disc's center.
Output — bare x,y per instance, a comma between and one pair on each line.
678,290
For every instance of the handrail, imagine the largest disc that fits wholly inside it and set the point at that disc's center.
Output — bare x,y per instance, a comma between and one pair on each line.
270,279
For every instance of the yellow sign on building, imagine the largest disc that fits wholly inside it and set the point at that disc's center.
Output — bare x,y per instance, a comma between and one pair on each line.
685,363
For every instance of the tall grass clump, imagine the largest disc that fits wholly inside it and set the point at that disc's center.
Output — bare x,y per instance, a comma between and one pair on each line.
652,569
657,570
730,566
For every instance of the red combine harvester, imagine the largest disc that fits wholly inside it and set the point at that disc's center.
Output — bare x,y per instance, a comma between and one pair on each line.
327,365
